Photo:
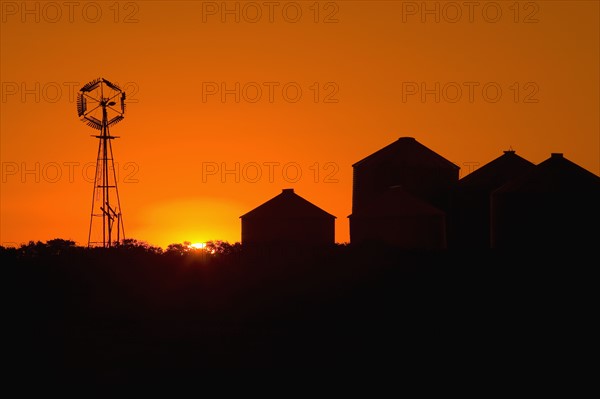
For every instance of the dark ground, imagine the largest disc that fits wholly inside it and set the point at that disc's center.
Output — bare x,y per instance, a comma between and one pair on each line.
110,316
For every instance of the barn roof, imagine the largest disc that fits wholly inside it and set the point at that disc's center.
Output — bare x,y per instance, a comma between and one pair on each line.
396,201
285,205
409,151
555,174
497,172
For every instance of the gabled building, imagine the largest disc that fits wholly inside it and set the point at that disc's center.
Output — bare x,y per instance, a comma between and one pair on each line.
470,210
406,163
400,196
552,206
288,219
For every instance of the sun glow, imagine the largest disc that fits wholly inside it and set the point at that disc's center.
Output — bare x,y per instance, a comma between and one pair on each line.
200,247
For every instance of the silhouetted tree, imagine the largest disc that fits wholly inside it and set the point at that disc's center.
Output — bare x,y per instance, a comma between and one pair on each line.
59,246
32,249
223,247
133,244
179,249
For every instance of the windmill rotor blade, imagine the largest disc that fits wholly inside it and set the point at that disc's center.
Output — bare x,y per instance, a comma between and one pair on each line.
112,85
115,120
81,105
92,120
91,85
94,125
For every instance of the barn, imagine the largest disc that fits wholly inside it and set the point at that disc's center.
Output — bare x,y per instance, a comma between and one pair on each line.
399,219
288,219
470,208
553,206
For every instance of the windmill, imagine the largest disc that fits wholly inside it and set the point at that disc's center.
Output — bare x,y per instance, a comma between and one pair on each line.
101,104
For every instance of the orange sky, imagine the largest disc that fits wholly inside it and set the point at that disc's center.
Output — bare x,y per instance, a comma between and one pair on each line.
370,61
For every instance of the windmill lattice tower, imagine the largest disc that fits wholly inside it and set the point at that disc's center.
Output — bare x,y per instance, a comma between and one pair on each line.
101,104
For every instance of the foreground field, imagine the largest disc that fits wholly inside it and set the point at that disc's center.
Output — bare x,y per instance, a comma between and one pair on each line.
125,313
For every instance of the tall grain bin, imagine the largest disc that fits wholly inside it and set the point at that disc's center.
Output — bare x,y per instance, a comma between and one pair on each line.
470,210
553,206
407,163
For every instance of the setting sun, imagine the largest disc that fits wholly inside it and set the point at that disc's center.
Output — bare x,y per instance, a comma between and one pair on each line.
198,245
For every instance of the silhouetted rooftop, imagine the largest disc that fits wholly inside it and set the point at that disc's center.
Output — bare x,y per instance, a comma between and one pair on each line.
497,172
288,204
555,174
411,152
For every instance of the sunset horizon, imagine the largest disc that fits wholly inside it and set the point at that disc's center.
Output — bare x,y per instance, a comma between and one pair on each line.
228,103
